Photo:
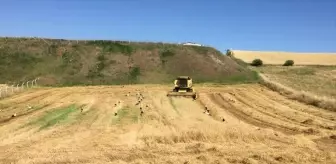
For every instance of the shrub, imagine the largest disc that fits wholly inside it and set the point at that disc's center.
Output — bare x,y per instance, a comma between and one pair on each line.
289,63
200,50
101,58
166,53
134,73
113,47
257,62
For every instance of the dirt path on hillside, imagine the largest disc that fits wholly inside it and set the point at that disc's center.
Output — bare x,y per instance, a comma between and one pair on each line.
248,124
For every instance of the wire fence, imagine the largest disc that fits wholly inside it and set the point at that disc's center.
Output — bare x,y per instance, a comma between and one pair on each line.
11,89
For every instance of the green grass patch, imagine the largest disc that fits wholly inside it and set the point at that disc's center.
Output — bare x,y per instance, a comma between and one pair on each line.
56,116
126,115
52,49
240,62
113,47
165,54
134,74
247,78
201,50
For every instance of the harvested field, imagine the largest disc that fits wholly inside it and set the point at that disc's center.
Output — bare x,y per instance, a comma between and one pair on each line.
247,124
279,58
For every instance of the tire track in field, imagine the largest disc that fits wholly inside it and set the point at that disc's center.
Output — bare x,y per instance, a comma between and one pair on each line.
261,115
262,108
241,115
217,112
12,104
279,117
105,110
164,110
21,109
311,110
24,117
24,97
18,129
292,113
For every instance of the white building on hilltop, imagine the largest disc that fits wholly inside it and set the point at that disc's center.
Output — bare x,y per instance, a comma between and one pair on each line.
191,44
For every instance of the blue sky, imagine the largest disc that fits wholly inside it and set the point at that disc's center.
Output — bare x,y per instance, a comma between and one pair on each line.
282,25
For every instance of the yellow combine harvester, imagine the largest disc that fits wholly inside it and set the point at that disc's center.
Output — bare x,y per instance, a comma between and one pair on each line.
183,88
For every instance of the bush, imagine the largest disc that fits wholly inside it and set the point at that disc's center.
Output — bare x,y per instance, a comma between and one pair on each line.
257,62
113,47
166,53
134,74
289,63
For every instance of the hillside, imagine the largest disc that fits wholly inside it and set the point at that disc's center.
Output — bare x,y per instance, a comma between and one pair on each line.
278,58
70,62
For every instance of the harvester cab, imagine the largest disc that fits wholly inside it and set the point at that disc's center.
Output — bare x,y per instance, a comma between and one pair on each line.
183,88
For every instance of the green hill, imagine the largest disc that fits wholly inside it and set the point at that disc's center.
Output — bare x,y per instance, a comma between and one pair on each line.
70,62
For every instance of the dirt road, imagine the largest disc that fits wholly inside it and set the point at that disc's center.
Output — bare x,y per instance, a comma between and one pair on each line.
247,124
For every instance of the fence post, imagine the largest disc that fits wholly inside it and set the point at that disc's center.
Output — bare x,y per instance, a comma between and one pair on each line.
27,84
22,85
17,87
0,92
13,88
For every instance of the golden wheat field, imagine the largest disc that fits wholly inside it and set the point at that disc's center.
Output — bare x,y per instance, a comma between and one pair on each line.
104,124
279,58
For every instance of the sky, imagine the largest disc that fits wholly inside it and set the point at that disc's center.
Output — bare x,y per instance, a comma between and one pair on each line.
269,25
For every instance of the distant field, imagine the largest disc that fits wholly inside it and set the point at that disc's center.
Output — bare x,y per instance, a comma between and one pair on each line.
278,58
319,80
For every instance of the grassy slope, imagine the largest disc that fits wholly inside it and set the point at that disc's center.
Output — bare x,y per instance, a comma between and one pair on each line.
320,80
64,62
278,58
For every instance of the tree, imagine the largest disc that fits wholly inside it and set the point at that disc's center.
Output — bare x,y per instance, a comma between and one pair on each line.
229,53
257,62
288,63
